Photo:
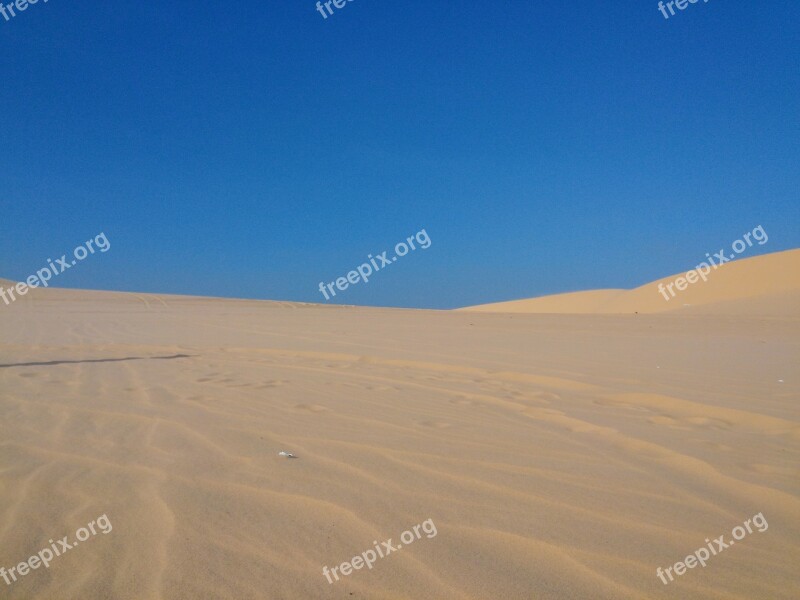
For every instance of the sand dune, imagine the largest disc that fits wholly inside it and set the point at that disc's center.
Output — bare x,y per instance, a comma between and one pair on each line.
764,285
559,456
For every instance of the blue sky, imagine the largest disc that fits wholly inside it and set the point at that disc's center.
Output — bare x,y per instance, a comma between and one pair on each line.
253,149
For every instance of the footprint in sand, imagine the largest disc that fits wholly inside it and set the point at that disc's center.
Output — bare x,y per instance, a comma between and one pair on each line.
463,402
315,408
665,420
272,384
709,423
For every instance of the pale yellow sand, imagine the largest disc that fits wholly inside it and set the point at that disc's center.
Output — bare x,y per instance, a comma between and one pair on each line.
763,285
560,457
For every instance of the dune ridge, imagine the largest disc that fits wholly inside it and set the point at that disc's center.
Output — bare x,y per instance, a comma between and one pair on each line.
765,285
560,456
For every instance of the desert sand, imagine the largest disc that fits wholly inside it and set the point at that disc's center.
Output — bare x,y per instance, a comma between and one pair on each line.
560,456
763,285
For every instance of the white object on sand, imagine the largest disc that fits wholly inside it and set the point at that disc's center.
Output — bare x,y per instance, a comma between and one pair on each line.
286,454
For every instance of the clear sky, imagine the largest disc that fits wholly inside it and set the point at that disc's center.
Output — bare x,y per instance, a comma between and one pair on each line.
253,149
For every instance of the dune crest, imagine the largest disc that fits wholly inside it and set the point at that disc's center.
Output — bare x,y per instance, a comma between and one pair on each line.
766,285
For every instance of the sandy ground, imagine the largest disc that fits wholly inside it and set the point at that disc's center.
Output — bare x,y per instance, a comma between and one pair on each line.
767,285
559,456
